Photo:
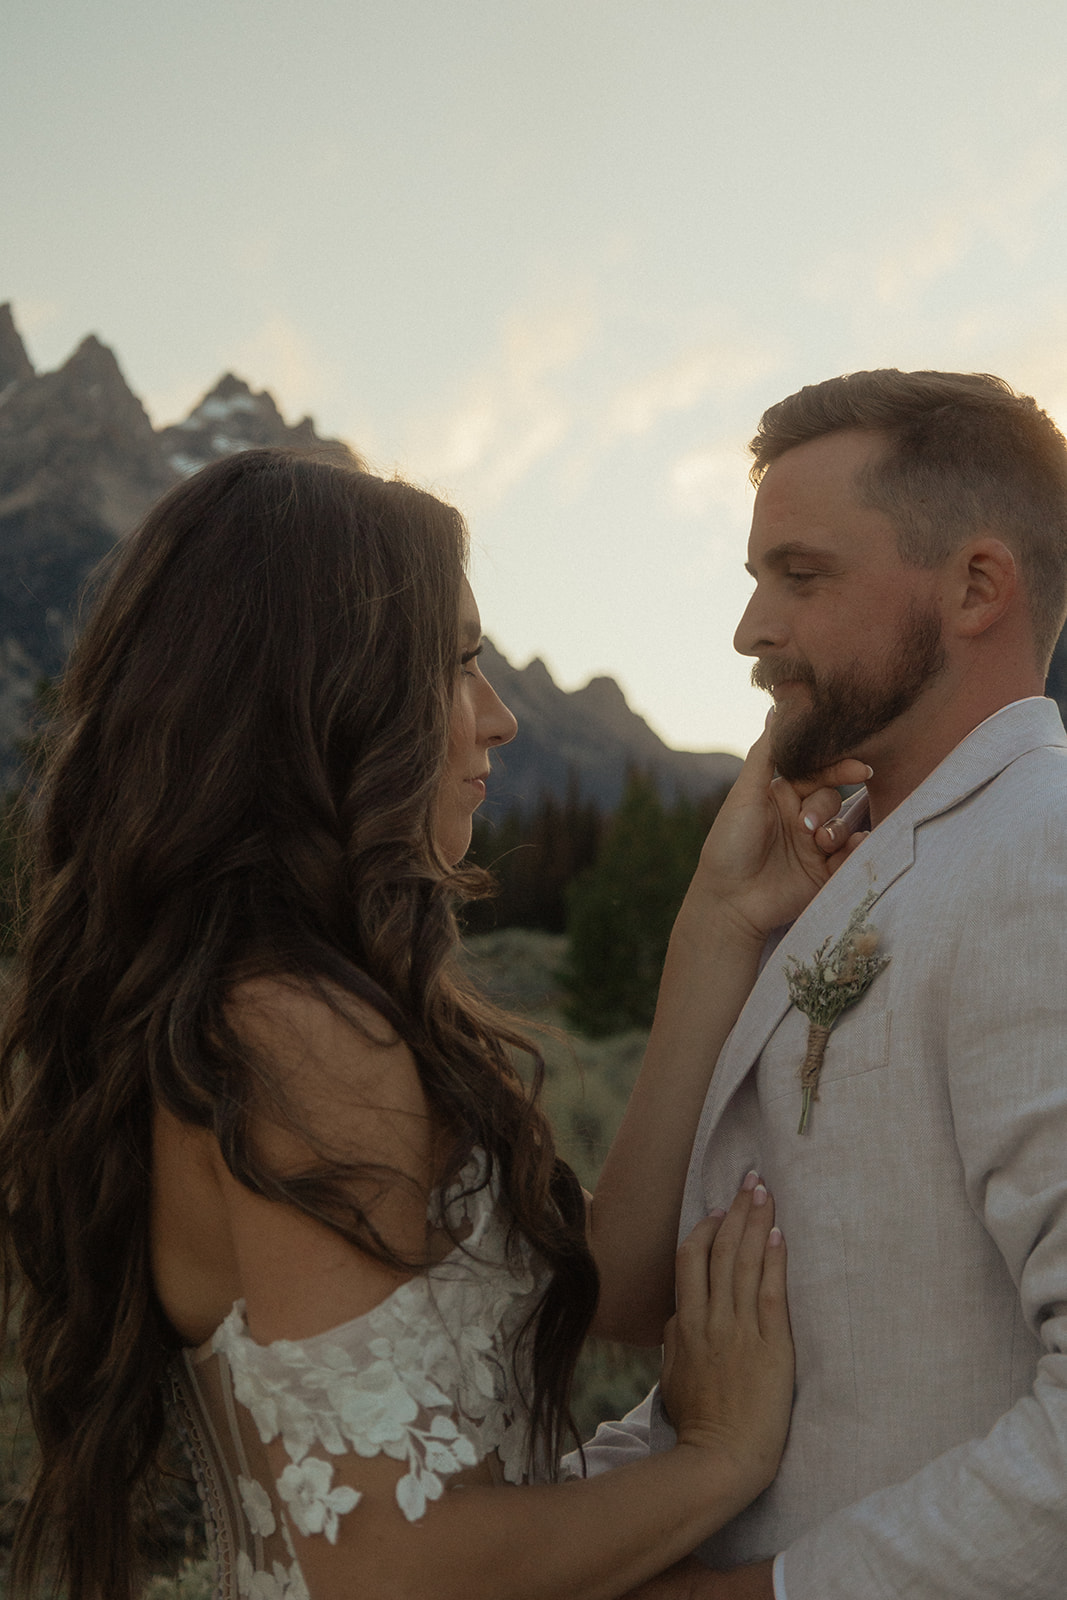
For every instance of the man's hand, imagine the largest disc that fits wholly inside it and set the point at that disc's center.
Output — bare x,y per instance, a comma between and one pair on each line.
770,850
692,1580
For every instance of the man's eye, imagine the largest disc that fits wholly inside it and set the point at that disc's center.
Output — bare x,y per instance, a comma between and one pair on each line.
801,577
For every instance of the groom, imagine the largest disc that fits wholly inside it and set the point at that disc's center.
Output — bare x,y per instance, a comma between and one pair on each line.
909,546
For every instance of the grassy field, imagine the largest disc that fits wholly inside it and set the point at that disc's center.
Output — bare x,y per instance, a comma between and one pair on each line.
587,1083
586,1086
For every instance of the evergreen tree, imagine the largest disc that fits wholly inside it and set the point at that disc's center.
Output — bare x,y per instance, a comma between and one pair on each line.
13,817
623,907
534,857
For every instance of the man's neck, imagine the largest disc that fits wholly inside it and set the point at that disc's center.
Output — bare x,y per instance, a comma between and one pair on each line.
907,753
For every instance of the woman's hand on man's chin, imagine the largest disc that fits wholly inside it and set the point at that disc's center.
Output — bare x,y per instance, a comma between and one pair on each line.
775,843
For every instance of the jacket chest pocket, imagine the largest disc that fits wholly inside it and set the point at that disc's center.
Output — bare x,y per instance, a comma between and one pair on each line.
859,1042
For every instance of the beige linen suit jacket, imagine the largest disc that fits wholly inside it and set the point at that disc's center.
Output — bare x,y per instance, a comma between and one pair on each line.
925,1208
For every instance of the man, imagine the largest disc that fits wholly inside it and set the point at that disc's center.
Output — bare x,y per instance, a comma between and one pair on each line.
909,546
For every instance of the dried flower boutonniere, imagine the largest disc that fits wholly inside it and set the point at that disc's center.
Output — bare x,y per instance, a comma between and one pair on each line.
837,976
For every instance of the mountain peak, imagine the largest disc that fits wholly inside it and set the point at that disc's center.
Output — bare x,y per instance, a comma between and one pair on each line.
232,417
604,693
536,674
94,362
80,464
88,398
83,415
90,349
14,362
230,384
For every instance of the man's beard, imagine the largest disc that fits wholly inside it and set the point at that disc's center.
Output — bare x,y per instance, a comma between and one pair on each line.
849,706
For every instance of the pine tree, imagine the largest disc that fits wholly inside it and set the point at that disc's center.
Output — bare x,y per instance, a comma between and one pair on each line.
623,907
13,817
534,856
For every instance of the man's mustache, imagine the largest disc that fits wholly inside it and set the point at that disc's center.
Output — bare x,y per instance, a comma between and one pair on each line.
770,670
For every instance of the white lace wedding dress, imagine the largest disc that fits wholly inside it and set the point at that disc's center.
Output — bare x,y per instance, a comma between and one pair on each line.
431,1377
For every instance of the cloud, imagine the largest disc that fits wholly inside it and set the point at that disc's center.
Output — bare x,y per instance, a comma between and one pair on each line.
1034,360
537,438
638,406
513,412
922,260
971,211
468,436
710,368
713,478
1005,213
277,356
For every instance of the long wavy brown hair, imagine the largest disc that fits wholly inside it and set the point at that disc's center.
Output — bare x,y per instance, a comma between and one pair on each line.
239,781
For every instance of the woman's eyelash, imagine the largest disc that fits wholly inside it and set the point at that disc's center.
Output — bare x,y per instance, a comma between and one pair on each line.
470,655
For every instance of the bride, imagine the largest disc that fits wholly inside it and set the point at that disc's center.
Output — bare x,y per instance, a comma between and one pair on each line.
265,1152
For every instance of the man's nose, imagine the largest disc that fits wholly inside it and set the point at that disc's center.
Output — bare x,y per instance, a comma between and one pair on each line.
759,631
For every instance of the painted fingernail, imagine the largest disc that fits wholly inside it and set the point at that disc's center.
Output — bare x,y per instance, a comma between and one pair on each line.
870,772
811,822
750,1180
759,1195
717,1213
775,1236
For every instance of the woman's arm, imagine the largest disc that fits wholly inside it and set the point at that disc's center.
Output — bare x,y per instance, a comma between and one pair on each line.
760,866
727,1377
728,1382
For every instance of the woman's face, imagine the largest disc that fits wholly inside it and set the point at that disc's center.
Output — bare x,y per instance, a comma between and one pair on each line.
479,719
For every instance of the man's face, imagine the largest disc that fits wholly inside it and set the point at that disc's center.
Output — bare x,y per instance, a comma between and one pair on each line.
848,637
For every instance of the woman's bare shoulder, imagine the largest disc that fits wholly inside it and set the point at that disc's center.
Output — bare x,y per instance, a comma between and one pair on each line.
285,1016
335,1061
329,1083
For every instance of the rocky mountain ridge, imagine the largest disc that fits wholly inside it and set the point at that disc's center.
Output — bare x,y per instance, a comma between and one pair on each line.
588,736
80,464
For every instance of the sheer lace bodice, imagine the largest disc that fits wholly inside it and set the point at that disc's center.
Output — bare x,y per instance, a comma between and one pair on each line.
432,1377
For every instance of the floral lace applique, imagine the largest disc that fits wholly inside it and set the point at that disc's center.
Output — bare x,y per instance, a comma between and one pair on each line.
257,1507
431,1377
282,1583
313,1505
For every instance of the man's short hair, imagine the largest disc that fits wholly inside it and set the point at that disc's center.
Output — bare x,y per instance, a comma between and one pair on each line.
965,455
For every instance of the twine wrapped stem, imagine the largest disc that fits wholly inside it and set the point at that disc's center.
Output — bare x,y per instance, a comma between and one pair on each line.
810,1068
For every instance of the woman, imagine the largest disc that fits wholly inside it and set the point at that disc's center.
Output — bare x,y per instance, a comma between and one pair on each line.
263,1142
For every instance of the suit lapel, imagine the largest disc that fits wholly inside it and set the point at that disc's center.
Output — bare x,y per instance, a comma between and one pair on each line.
878,862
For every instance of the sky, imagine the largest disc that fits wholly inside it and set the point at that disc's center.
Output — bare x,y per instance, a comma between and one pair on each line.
550,259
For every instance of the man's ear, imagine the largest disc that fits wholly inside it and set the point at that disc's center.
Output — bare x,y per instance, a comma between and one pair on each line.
984,583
